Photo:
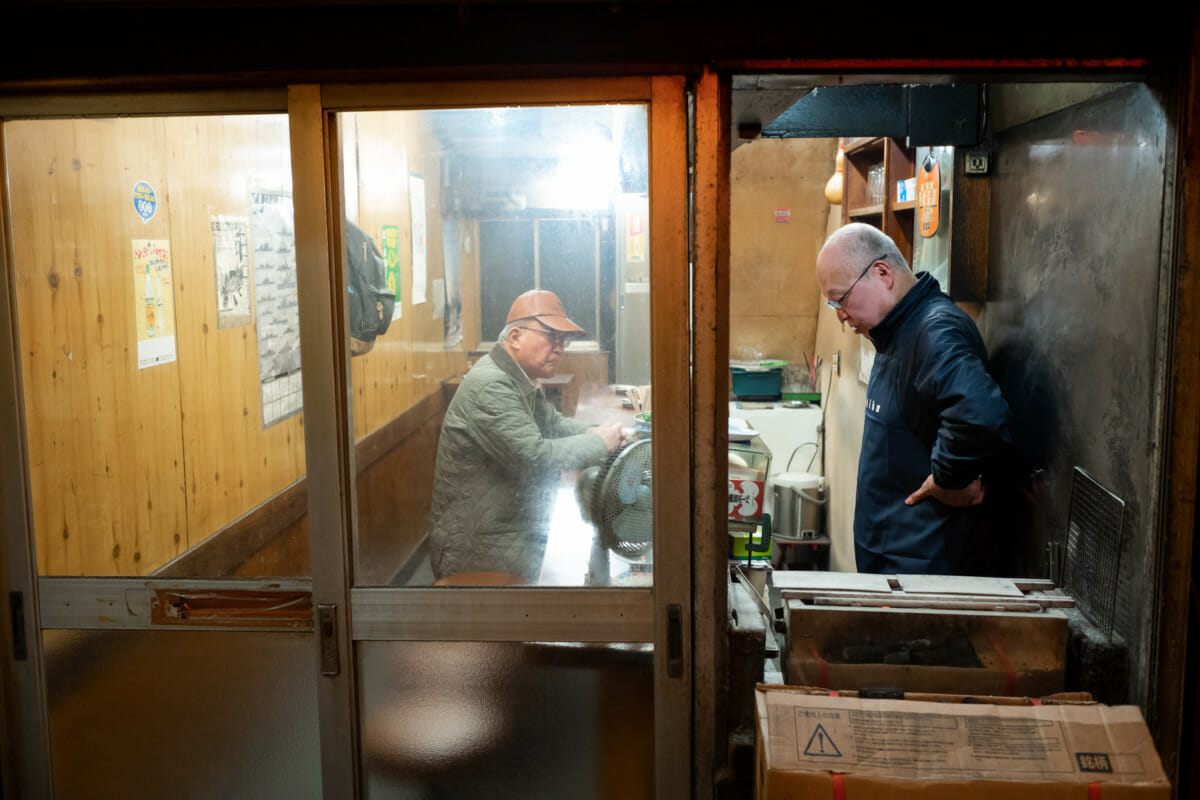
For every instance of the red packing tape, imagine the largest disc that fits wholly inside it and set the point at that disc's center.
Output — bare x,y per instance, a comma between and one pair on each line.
823,678
1094,791
1010,677
839,786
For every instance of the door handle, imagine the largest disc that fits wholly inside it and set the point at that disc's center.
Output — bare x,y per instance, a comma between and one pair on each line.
674,641
327,630
16,611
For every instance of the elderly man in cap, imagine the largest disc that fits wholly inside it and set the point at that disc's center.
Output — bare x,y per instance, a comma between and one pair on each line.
936,426
503,448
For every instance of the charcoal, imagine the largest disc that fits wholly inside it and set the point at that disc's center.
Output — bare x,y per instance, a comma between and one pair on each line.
925,652
861,654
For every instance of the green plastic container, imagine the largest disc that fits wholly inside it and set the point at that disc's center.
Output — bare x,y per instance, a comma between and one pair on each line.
762,380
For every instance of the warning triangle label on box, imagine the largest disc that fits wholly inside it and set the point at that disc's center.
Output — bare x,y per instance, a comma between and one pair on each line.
821,745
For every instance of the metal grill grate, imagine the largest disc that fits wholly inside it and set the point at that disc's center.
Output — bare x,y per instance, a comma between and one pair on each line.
1095,528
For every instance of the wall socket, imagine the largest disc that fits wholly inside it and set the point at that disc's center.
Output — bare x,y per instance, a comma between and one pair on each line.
976,163
836,363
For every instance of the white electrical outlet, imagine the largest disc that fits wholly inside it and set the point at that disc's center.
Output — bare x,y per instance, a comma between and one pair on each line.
976,164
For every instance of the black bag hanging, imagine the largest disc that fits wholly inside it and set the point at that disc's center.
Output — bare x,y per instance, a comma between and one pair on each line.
370,301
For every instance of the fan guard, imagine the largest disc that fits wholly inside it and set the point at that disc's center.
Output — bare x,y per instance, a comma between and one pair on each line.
618,499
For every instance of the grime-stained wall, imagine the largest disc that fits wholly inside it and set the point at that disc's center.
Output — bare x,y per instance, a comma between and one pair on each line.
1075,328
779,211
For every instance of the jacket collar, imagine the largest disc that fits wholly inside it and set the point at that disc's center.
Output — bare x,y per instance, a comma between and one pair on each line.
883,333
513,370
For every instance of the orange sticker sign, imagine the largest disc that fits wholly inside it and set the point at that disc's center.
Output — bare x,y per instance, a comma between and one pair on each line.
929,196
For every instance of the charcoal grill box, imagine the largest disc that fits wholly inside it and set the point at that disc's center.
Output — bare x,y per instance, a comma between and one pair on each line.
820,746
1019,653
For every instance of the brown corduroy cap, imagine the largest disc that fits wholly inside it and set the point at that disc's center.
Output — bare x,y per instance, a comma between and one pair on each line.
545,307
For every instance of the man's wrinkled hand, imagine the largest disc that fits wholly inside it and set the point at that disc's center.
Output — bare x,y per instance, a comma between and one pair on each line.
611,433
970,495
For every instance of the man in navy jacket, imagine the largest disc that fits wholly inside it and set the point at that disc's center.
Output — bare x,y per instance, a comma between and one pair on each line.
936,422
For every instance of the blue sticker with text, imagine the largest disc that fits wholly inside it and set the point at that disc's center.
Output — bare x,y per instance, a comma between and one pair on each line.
145,203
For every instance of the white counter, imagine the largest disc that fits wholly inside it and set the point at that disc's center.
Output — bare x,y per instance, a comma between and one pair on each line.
782,431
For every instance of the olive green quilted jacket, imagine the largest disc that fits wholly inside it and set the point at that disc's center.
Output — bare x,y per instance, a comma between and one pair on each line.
501,453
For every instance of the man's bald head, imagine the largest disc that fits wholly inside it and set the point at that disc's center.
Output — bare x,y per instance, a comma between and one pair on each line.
862,272
856,244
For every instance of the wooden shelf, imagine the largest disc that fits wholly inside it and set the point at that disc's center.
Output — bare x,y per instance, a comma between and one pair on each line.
868,211
894,219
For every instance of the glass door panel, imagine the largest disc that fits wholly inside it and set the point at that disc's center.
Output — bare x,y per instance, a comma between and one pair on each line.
491,441
155,298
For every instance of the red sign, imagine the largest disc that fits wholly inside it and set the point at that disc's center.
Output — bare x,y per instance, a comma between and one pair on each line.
745,499
929,196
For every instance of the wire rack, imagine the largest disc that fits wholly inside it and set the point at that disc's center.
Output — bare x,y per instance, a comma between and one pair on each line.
1095,531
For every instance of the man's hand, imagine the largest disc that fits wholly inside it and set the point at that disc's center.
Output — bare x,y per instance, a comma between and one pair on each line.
970,495
611,433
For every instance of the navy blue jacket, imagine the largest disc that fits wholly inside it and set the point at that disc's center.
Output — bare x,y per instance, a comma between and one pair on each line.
932,408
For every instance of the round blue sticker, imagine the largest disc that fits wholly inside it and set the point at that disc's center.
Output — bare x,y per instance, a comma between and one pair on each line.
144,201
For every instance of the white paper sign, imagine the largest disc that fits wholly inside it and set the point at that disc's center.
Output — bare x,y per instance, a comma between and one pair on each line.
416,196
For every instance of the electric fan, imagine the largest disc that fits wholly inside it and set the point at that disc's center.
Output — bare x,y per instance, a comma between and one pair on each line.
617,498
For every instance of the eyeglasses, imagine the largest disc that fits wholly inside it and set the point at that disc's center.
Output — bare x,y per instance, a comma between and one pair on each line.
837,304
557,338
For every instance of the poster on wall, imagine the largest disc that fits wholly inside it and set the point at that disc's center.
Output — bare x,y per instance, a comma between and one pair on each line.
231,263
273,236
635,237
416,197
453,281
391,259
153,302
929,196
145,201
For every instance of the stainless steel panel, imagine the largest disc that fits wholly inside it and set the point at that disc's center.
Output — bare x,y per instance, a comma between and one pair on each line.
1073,324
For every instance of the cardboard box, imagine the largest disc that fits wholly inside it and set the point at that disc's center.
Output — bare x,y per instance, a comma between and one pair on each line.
812,746
1019,654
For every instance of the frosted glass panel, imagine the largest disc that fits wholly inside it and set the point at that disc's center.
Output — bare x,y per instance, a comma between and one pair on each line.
507,719
182,714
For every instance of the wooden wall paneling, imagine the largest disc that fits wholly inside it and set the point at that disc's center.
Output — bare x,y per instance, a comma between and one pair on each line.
105,450
394,492
379,378
233,464
469,263
409,361
429,332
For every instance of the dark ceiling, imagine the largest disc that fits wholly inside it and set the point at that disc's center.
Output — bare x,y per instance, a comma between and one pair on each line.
47,42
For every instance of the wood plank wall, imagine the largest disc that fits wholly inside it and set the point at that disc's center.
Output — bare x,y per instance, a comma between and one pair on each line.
130,468
410,360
